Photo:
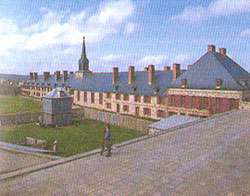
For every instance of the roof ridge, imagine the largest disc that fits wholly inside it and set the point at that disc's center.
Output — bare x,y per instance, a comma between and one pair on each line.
200,58
237,64
227,69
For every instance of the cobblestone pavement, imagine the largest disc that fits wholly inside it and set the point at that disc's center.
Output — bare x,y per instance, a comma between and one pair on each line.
209,158
12,161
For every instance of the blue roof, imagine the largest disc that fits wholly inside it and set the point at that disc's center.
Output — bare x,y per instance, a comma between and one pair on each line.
212,66
102,82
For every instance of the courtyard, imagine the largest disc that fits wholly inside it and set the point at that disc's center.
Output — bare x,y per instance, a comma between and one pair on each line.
84,135
208,158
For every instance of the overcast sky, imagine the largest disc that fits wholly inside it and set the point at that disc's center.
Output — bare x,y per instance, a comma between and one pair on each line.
46,35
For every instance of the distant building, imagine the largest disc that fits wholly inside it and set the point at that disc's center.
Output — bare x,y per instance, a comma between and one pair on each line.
213,84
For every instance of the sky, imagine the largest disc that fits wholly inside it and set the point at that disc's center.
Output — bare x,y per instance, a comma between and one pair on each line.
46,35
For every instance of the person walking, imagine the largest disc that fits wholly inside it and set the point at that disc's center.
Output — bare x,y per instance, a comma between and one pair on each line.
107,143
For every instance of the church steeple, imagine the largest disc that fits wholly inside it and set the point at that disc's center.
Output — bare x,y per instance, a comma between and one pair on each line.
83,61
83,48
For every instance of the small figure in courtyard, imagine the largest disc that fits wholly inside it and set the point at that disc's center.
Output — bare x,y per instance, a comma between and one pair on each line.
107,143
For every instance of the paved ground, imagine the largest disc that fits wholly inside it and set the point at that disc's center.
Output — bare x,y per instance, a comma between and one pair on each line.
209,158
12,161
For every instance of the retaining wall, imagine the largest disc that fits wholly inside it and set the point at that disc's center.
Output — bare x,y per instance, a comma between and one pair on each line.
20,118
111,118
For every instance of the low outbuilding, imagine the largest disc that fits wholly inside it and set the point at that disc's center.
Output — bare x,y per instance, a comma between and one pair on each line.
57,107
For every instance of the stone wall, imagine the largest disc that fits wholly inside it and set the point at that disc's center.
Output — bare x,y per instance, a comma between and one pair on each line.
20,118
113,119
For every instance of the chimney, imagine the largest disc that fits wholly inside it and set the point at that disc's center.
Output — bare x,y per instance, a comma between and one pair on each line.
115,75
65,75
211,48
146,69
151,74
57,76
35,76
131,74
46,76
189,66
176,71
223,51
167,68
31,76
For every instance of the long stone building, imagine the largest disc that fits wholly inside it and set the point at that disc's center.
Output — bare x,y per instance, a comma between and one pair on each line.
213,84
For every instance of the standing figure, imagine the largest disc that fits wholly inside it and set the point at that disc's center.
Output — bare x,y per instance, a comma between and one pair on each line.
107,143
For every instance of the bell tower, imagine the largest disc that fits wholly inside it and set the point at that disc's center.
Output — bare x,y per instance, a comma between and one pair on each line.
83,62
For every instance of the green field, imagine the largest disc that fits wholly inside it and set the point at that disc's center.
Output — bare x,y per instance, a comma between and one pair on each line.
10,104
82,136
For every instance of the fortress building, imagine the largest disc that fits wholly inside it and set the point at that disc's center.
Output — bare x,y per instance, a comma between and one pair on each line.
213,84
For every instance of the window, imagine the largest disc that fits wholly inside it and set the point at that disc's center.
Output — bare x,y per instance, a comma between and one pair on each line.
204,103
161,113
85,96
125,97
78,95
218,83
192,101
108,95
92,97
126,108
181,100
108,105
137,98
147,111
217,103
147,99
170,100
100,98
118,96
161,100
183,83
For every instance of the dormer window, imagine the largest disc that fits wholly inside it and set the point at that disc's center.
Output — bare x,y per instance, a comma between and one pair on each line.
246,83
218,83
156,90
48,84
133,89
116,88
183,83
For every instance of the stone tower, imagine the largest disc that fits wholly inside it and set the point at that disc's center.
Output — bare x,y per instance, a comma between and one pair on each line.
83,63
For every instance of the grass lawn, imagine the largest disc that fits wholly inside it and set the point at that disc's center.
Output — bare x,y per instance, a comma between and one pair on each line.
82,136
10,104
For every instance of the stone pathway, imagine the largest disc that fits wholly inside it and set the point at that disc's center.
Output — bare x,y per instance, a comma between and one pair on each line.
209,158
12,161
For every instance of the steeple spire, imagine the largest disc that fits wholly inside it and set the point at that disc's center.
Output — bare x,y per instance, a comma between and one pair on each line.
83,61
84,48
